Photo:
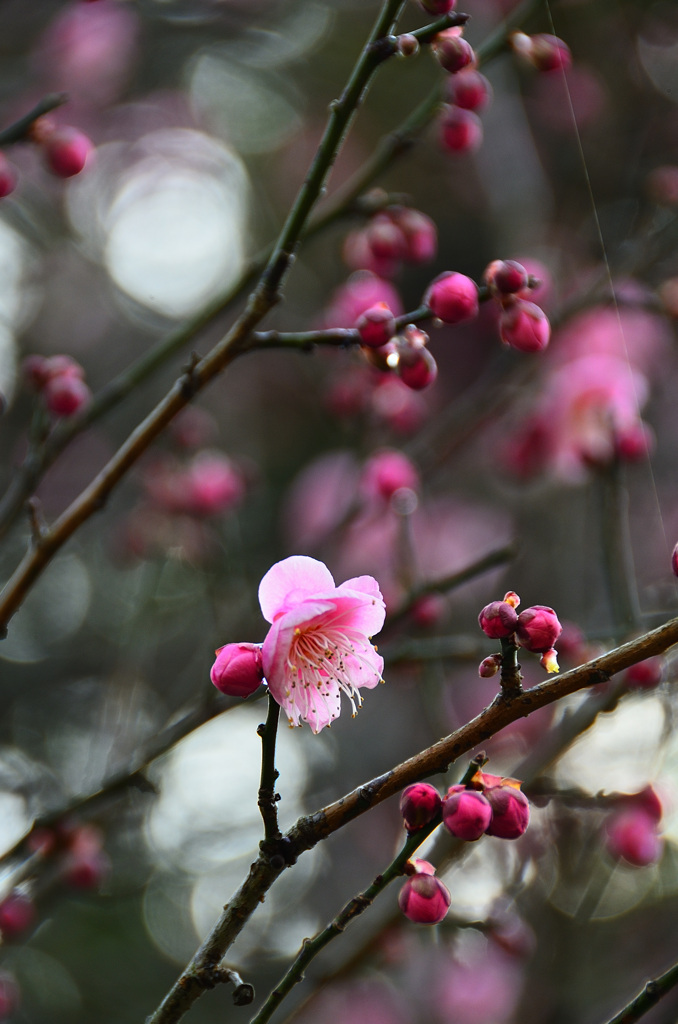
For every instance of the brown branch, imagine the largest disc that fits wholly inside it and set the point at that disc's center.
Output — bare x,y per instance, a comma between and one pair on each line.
308,831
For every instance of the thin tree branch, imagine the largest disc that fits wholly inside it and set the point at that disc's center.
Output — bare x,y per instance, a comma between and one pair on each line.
18,131
310,830
267,796
654,990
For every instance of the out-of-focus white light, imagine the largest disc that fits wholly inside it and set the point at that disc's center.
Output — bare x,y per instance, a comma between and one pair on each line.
175,228
207,812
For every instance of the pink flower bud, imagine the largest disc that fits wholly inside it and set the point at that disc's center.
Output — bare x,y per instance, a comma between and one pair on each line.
452,297
376,326
66,151
452,51
633,836
85,865
645,675
674,561
428,610
549,53
489,667
525,326
8,177
384,238
10,995
424,899
386,472
634,442
66,394
469,90
437,6
416,367
538,628
505,277
419,804
511,598
238,669
421,235
17,913
510,812
461,131
211,485
466,813
543,52
498,619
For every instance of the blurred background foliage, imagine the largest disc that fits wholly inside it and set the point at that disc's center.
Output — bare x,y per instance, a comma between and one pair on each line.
205,115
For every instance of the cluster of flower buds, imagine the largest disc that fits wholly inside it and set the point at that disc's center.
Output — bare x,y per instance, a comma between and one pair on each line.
208,484
543,52
65,152
487,805
77,849
467,92
391,237
405,353
238,669
632,828
522,324
536,629
59,380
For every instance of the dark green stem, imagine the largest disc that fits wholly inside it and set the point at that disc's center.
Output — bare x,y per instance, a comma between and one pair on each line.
511,677
654,990
19,130
615,541
267,799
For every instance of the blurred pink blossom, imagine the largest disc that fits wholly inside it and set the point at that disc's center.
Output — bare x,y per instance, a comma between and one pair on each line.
362,290
482,987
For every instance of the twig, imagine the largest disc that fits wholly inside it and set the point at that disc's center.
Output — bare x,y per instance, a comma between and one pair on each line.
262,300
654,990
308,831
19,130
267,796
511,676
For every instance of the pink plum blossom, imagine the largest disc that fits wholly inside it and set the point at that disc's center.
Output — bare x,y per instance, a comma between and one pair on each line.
318,643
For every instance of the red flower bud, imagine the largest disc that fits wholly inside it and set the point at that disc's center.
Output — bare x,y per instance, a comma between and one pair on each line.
238,669
466,813
419,804
66,394
17,913
674,561
416,367
498,619
489,667
469,90
538,628
376,326
387,472
452,51
453,298
461,131
645,675
66,151
424,899
523,325
510,812
505,277
632,835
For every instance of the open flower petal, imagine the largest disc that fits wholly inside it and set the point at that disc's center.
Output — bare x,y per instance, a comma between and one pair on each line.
290,581
318,644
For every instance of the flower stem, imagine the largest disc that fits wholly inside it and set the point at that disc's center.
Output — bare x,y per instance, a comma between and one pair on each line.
649,997
267,799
